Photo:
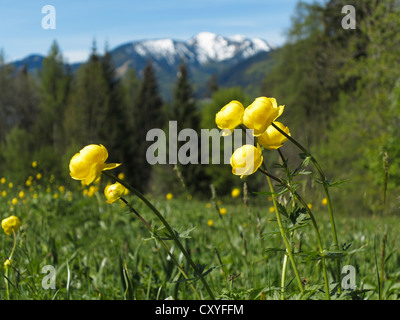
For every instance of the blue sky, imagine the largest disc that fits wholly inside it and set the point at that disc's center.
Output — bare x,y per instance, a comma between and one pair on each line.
117,22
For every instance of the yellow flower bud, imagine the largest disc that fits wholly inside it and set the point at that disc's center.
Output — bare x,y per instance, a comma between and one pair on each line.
272,138
113,192
3,180
169,196
324,201
260,114
7,263
39,176
10,225
246,160
210,222
34,164
92,190
223,211
235,193
14,201
21,194
230,116
88,164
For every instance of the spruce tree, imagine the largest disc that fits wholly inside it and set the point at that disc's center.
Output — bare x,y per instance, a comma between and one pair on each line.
183,110
147,114
6,96
53,94
87,111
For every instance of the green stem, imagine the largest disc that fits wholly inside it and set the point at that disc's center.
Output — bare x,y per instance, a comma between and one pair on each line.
167,226
164,245
285,240
283,277
325,186
314,223
8,266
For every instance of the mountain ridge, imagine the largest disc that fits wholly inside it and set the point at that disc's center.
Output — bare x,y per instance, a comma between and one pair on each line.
205,54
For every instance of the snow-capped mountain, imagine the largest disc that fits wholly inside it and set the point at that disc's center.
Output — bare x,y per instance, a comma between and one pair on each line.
203,48
205,54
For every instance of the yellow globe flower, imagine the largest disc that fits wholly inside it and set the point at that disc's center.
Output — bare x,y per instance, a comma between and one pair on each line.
39,176
3,180
92,191
88,164
14,201
10,225
169,196
34,164
7,263
246,160
229,117
223,211
324,201
4,194
210,223
21,194
271,209
235,193
272,138
260,114
113,192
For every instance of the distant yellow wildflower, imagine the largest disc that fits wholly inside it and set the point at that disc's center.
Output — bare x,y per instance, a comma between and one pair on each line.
10,225
235,193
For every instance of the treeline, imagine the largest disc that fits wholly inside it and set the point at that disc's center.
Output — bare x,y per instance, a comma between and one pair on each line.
341,89
49,116
342,92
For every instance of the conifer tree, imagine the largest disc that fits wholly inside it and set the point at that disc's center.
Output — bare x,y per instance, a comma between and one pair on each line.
6,96
87,111
53,94
183,110
147,114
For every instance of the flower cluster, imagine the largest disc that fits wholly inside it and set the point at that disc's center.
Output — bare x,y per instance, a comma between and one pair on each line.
260,117
87,166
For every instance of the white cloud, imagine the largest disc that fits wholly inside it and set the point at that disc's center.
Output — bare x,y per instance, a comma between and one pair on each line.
74,56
